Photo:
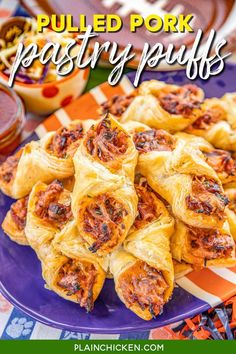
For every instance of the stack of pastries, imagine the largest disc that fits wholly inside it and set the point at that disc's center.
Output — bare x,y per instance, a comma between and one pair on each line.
142,194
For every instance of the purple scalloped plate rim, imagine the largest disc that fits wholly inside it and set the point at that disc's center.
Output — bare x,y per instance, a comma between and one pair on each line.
22,285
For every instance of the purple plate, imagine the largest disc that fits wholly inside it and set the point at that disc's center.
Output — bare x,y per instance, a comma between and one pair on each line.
20,276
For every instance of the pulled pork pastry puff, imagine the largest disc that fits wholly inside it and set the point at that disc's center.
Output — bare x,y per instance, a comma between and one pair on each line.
43,160
75,276
49,209
143,269
104,201
230,100
78,279
223,162
14,223
158,105
203,247
231,210
179,174
213,125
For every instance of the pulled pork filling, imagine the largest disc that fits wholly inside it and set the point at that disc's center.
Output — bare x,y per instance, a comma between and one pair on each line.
209,244
78,279
181,101
144,286
65,141
117,104
18,212
221,161
147,210
207,119
9,167
103,219
106,142
207,197
154,140
48,206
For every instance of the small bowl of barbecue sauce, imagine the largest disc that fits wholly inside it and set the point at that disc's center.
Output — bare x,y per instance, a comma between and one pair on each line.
12,119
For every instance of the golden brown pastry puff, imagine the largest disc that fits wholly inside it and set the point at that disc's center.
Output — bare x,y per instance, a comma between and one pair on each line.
203,247
222,161
64,142
230,100
213,125
179,174
231,209
77,278
43,160
8,170
104,201
49,209
14,223
15,220
159,105
143,270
